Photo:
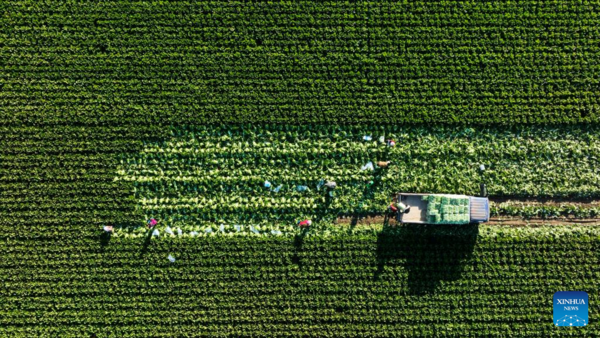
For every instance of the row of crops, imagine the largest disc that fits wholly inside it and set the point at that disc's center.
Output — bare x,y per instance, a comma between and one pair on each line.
300,61
62,278
216,174
114,112
412,281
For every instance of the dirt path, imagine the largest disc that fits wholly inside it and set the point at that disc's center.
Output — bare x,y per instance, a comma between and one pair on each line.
504,221
499,221
367,220
584,203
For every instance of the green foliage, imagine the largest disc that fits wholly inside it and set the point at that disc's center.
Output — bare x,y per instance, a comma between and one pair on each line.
447,209
60,279
484,62
408,281
564,210
85,83
213,175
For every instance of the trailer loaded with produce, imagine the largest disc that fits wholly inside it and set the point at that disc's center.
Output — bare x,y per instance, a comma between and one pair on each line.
442,209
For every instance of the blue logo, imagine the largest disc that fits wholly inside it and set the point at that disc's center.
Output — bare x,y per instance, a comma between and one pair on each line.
571,308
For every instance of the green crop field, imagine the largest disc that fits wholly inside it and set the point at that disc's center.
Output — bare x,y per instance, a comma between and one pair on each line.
98,62
217,173
116,112
370,283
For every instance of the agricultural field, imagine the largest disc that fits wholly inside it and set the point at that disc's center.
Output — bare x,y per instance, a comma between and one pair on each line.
170,62
223,120
370,283
206,175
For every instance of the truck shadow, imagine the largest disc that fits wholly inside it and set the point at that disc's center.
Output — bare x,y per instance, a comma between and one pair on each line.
429,253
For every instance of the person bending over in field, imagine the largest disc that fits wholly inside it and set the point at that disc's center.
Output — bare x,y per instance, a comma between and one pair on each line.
305,224
383,164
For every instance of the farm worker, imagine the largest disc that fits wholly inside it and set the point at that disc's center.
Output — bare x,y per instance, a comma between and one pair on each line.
331,185
109,229
151,223
370,184
383,164
305,224
393,208
391,143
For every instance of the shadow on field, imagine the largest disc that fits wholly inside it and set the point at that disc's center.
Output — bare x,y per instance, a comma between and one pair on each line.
323,216
147,241
104,240
298,243
429,253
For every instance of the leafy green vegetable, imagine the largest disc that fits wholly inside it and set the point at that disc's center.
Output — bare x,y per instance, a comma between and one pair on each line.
216,174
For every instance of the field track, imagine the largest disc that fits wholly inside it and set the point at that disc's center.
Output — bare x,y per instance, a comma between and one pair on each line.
504,220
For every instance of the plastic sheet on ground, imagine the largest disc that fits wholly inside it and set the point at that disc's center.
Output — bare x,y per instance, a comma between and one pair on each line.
169,231
155,232
171,259
368,166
